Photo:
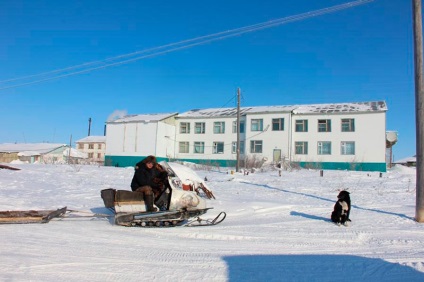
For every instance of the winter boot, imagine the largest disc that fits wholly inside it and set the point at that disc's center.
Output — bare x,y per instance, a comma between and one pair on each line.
148,199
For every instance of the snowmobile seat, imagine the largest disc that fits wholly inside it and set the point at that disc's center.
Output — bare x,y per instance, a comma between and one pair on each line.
128,196
112,197
108,196
129,201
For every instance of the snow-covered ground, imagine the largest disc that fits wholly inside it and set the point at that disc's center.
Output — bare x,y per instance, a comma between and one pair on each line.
277,229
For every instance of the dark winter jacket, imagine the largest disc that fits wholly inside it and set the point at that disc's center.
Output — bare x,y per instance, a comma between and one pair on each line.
147,177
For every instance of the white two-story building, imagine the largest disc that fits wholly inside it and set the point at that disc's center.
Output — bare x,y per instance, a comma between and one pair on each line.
133,137
328,136
94,147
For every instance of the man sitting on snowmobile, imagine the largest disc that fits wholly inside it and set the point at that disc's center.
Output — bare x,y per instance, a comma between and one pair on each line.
149,178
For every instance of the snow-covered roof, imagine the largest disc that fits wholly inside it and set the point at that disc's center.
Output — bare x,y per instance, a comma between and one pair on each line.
219,112
143,118
406,160
92,139
41,148
75,154
232,112
376,106
28,154
272,109
296,109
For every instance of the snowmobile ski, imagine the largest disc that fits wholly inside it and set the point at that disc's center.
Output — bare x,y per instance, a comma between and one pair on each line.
206,222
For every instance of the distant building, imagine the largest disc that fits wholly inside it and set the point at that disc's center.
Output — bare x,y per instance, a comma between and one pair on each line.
410,161
94,147
329,136
73,156
33,152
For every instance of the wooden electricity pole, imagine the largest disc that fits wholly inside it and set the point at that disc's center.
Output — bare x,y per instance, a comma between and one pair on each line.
70,147
238,131
419,107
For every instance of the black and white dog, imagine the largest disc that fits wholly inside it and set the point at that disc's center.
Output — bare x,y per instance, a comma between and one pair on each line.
340,214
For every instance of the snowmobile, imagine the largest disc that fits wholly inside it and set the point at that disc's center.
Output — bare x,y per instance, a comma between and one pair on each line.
179,204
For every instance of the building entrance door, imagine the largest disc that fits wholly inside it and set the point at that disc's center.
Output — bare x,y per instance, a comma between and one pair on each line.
276,156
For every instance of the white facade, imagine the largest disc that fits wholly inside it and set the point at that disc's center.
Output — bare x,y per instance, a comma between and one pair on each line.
368,137
94,147
207,138
275,142
333,136
131,138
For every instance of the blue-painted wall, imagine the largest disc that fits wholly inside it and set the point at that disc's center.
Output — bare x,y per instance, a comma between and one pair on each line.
345,166
125,161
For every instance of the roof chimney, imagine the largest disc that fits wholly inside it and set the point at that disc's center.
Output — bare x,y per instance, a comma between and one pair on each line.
89,126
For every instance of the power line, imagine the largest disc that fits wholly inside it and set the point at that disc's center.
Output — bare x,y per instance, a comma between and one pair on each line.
172,47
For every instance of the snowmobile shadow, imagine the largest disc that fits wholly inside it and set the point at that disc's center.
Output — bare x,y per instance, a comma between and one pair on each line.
328,200
310,216
316,268
110,215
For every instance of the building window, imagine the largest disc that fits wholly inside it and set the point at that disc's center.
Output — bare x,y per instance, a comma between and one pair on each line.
348,125
99,155
199,147
199,128
301,148
80,146
257,125
90,155
99,146
235,126
348,148
277,124
256,146
324,148
324,125
219,127
218,147
183,147
184,127
90,146
302,125
234,147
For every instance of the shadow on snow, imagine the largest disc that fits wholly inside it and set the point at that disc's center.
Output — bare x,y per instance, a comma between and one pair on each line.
327,200
316,268
310,216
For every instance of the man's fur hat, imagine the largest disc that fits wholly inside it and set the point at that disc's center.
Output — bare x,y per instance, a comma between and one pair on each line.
150,159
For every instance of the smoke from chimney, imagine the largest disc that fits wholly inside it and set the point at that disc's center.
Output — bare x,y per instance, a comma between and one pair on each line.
117,114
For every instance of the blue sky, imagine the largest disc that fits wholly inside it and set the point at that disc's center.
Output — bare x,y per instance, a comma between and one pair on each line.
364,53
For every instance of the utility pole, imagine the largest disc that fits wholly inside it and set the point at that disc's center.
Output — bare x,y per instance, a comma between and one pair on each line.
70,147
238,131
419,107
